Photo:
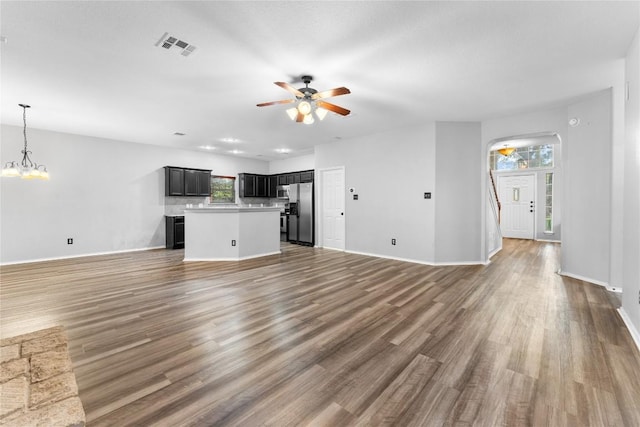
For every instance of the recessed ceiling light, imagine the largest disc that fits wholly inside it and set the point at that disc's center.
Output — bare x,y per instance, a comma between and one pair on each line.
283,150
207,147
179,134
230,140
235,152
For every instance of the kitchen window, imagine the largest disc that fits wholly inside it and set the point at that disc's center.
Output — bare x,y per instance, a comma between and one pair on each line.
223,189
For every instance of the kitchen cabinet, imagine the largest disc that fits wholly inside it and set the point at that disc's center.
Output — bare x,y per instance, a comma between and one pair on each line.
293,178
197,182
262,188
247,185
174,228
187,182
306,176
253,185
273,187
173,181
256,185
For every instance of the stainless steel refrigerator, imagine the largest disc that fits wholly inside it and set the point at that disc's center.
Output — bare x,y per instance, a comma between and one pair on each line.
301,214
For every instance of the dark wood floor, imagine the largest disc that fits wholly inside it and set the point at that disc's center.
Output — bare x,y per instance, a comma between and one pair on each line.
318,337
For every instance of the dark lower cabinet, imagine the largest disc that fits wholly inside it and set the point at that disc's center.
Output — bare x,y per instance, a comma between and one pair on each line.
174,232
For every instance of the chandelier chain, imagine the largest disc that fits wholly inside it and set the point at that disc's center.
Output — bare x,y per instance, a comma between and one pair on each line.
26,161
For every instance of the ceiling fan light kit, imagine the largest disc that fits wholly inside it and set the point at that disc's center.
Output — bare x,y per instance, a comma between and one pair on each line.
26,169
309,102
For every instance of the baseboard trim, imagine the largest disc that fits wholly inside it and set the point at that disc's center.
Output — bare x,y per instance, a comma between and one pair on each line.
635,334
548,240
82,255
415,261
584,279
491,254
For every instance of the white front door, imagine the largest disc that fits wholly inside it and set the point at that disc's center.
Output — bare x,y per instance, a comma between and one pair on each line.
517,196
332,208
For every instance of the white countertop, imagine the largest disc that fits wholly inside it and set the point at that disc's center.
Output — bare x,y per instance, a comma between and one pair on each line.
222,209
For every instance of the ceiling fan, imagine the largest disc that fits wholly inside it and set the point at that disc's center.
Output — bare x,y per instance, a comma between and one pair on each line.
310,101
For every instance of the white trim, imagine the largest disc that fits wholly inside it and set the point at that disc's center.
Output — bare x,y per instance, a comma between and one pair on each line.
495,251
617,290
415,261
82,255
635,334
548,240
232,259
585,279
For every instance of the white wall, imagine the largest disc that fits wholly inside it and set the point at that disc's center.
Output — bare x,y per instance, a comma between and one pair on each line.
586,235
390,172
107,195
458,193
292,164
631,217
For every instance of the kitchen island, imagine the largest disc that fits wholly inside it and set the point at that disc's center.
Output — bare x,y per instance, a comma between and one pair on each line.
231,233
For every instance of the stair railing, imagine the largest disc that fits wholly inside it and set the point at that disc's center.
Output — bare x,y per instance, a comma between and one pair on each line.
495,193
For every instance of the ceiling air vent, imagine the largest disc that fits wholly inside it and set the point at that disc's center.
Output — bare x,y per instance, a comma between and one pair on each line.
168,42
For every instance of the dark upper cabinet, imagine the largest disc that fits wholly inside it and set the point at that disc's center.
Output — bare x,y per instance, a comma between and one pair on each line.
202,182
262,188
273,184
187,182
293,178
254,185
306,176
173,181
247,185
190,183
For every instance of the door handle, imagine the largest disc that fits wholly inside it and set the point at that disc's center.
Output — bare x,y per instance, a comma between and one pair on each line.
341,213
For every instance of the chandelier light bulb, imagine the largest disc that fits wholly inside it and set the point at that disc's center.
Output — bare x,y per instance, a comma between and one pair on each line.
304,108
293,113
308,119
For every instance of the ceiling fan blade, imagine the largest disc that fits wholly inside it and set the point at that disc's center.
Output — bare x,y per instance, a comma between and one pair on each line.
300,117
284,101
332,107
331,92
293,90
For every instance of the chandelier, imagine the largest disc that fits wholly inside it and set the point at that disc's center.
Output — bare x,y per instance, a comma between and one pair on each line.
26,169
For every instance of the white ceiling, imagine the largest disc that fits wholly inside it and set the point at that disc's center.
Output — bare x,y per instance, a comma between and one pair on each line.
92,68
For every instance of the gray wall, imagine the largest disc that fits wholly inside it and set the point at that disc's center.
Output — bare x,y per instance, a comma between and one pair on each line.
586,235
390,172
458,193
631,217
107,195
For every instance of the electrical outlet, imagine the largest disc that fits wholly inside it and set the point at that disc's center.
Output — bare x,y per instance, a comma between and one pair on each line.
70,241
393,242
427,195
355,197
233,243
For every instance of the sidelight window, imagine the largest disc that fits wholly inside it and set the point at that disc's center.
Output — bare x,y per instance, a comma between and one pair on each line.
548,204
